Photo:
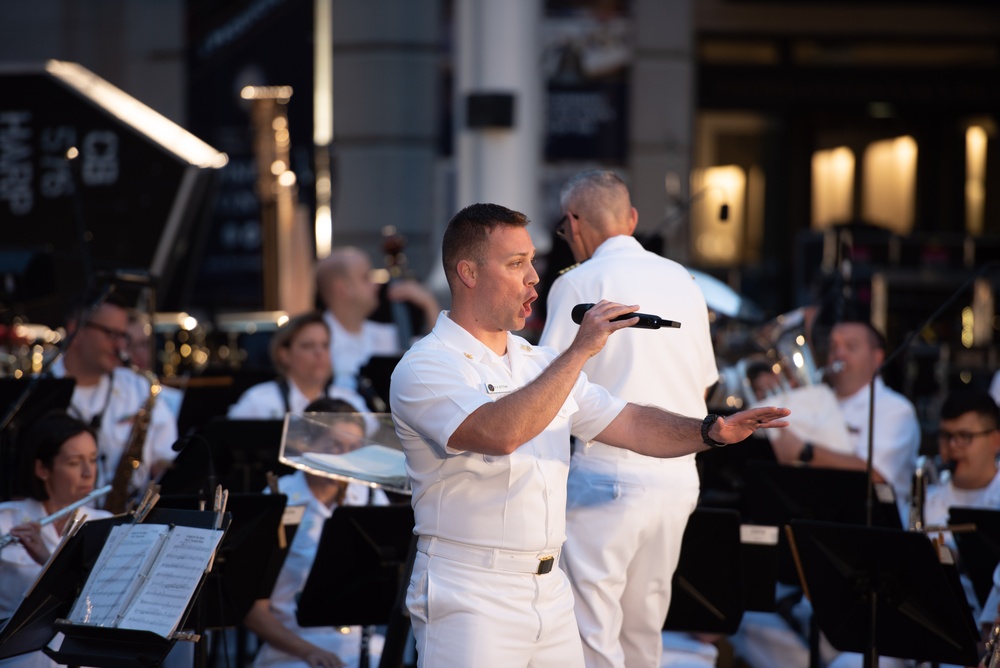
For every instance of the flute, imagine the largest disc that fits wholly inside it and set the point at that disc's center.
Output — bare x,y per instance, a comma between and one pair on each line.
7,539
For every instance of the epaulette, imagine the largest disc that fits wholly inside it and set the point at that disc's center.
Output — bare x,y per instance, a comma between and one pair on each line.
569,268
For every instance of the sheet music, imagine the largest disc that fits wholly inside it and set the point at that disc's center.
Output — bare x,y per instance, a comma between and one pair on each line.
166,591
128,552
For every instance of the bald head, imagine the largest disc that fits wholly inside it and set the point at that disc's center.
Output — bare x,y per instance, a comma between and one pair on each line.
343,280
600,198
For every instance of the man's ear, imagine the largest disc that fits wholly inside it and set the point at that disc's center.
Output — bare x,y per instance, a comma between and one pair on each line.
467,272
635,221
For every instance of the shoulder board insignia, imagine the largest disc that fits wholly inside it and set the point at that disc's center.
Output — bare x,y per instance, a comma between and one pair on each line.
569,268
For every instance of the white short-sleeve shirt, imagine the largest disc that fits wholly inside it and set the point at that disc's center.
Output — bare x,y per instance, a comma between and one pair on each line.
897,434
669,368
349,351
515,501
118,406
264,401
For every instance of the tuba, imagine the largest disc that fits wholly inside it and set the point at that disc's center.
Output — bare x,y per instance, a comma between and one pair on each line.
121,484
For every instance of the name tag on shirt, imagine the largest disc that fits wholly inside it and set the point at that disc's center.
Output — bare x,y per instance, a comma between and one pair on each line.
497,388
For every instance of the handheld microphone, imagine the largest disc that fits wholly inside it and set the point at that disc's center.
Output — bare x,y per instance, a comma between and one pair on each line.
646,321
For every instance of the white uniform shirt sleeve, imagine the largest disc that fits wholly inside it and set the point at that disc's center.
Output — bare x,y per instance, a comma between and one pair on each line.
897,439
434,395
260,402
162,434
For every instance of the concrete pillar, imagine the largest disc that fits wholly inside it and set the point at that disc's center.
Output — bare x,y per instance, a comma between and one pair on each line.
497,51
662,118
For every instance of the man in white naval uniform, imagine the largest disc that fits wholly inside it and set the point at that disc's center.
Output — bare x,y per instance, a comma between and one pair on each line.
107,396
485,420
626,512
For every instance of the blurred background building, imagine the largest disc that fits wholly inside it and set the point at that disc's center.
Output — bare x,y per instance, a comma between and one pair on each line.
794,150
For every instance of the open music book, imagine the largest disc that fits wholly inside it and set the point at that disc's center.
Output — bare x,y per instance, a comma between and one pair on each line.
145,577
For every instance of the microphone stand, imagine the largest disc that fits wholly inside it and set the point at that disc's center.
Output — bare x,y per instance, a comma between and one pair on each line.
871,657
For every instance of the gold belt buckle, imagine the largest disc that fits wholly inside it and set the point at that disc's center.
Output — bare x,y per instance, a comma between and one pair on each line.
545,565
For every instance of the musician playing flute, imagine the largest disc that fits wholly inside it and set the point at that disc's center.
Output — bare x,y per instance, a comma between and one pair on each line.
58,468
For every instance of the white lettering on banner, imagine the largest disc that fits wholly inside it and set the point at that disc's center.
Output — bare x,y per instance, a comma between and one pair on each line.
15,161
100,158
56,180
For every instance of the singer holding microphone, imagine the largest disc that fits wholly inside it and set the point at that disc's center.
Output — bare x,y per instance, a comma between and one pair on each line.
58,468
107,395
485,420
627,511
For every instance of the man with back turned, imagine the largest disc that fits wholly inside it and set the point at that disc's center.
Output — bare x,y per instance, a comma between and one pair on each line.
626,511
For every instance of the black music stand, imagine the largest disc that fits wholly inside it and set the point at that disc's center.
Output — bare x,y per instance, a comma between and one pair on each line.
777,494
365,554
706,594
248,560
46,394
238,455
30,628
374,378
128,648
979,550
884,591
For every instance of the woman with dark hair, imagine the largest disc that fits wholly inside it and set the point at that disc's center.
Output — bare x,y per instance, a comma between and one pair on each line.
300,352
58,467
285,643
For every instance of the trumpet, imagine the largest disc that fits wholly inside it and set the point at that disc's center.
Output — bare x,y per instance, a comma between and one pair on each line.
7,539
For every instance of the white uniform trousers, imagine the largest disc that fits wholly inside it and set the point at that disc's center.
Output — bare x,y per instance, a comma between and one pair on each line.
622,547
471,615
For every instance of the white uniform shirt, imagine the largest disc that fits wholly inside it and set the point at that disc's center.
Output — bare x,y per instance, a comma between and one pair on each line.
128,393
349,351
515,501
18,570
897,434
264,401
295,571
668,368
942,497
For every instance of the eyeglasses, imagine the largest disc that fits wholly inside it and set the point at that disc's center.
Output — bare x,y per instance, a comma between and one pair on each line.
561,225
961,438
116,335
561,228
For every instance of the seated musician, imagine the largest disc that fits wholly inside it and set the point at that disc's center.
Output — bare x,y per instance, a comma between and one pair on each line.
300,352
287,644
58,468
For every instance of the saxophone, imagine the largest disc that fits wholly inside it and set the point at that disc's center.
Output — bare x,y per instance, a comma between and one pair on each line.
121,484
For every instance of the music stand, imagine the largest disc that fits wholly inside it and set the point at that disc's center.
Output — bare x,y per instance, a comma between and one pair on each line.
777,494
355,577
979,549
248,559
706,593
208,398
884,591
238,457
46,394
128,648
377,372
30,628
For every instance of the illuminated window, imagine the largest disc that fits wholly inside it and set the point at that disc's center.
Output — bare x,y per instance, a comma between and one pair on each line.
717,214
888,194
975,178
832,187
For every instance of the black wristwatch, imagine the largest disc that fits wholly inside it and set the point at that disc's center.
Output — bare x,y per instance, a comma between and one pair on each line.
706,424
806,453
